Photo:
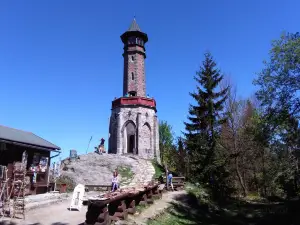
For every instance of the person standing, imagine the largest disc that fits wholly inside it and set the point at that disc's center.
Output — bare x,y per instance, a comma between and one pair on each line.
102,142
170,177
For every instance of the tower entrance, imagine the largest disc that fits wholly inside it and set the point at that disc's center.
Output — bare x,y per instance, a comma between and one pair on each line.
131,143
129,136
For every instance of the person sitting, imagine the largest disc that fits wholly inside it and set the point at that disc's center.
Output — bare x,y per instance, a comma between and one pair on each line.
115,182
98,150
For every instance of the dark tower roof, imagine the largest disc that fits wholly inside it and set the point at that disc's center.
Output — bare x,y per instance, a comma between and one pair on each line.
134,30
134,26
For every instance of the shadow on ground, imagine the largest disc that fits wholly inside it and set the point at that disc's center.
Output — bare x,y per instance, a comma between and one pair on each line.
235,212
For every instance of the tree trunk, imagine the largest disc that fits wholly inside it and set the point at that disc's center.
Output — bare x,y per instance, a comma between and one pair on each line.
161,154
255,179
167,181
240,177
296,175
237,169
264,173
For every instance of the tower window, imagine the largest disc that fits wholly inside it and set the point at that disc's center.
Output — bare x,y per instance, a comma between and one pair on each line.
132,93
132,76
132,58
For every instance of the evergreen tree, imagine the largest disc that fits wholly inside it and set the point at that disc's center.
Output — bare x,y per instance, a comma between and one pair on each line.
205,119
182,156
166,139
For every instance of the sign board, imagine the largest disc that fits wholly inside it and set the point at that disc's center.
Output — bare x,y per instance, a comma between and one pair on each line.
56,170
24,159
73,154
77,197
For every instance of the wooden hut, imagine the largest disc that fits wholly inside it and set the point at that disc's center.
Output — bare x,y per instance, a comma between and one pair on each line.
14,142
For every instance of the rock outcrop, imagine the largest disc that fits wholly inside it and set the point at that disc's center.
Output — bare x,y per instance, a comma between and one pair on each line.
93,168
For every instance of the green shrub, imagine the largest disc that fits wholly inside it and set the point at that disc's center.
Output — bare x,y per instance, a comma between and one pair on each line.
68,181
158,169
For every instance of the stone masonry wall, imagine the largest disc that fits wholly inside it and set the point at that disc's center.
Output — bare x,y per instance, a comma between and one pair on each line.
145,121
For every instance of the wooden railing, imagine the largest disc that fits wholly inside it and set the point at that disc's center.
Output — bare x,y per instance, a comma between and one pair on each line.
150,102
117,205
178,182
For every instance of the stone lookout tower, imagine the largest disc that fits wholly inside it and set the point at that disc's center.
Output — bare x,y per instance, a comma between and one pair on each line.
133,123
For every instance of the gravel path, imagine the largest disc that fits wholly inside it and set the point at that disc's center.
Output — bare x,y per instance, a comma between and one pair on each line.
58,214
55,214
157,208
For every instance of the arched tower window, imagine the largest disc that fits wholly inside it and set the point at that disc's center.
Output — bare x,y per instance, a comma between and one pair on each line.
132,76
132,58
132,93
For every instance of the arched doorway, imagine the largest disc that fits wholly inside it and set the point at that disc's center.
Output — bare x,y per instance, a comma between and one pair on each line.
130,143
129,137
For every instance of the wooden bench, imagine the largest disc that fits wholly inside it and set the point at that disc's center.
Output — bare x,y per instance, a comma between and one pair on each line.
119,204
96,187
178,182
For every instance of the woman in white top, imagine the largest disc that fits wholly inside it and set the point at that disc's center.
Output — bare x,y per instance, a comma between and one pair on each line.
115,182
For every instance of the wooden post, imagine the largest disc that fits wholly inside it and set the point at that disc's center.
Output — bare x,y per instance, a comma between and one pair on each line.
131,206
103,218
149,197
97,214
120,211
143,200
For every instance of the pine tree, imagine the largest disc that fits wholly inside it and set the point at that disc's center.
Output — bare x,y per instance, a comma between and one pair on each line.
205,119
182,156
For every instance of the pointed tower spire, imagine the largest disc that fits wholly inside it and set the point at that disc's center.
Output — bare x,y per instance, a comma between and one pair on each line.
134,26
134,60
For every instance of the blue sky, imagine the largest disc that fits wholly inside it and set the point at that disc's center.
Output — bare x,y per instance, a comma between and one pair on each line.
61,62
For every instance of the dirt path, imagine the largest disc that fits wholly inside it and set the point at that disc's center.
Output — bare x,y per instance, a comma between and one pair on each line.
58,213
157,208
55,214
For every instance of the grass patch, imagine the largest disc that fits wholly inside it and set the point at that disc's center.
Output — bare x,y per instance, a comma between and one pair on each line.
196,207
126,174
141,208
199,192
158,169
188,210
170,217
253,197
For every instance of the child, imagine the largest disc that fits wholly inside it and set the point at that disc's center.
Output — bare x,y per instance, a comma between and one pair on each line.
114,182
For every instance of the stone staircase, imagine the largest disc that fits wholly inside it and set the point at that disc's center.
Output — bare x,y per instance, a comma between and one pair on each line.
143,172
